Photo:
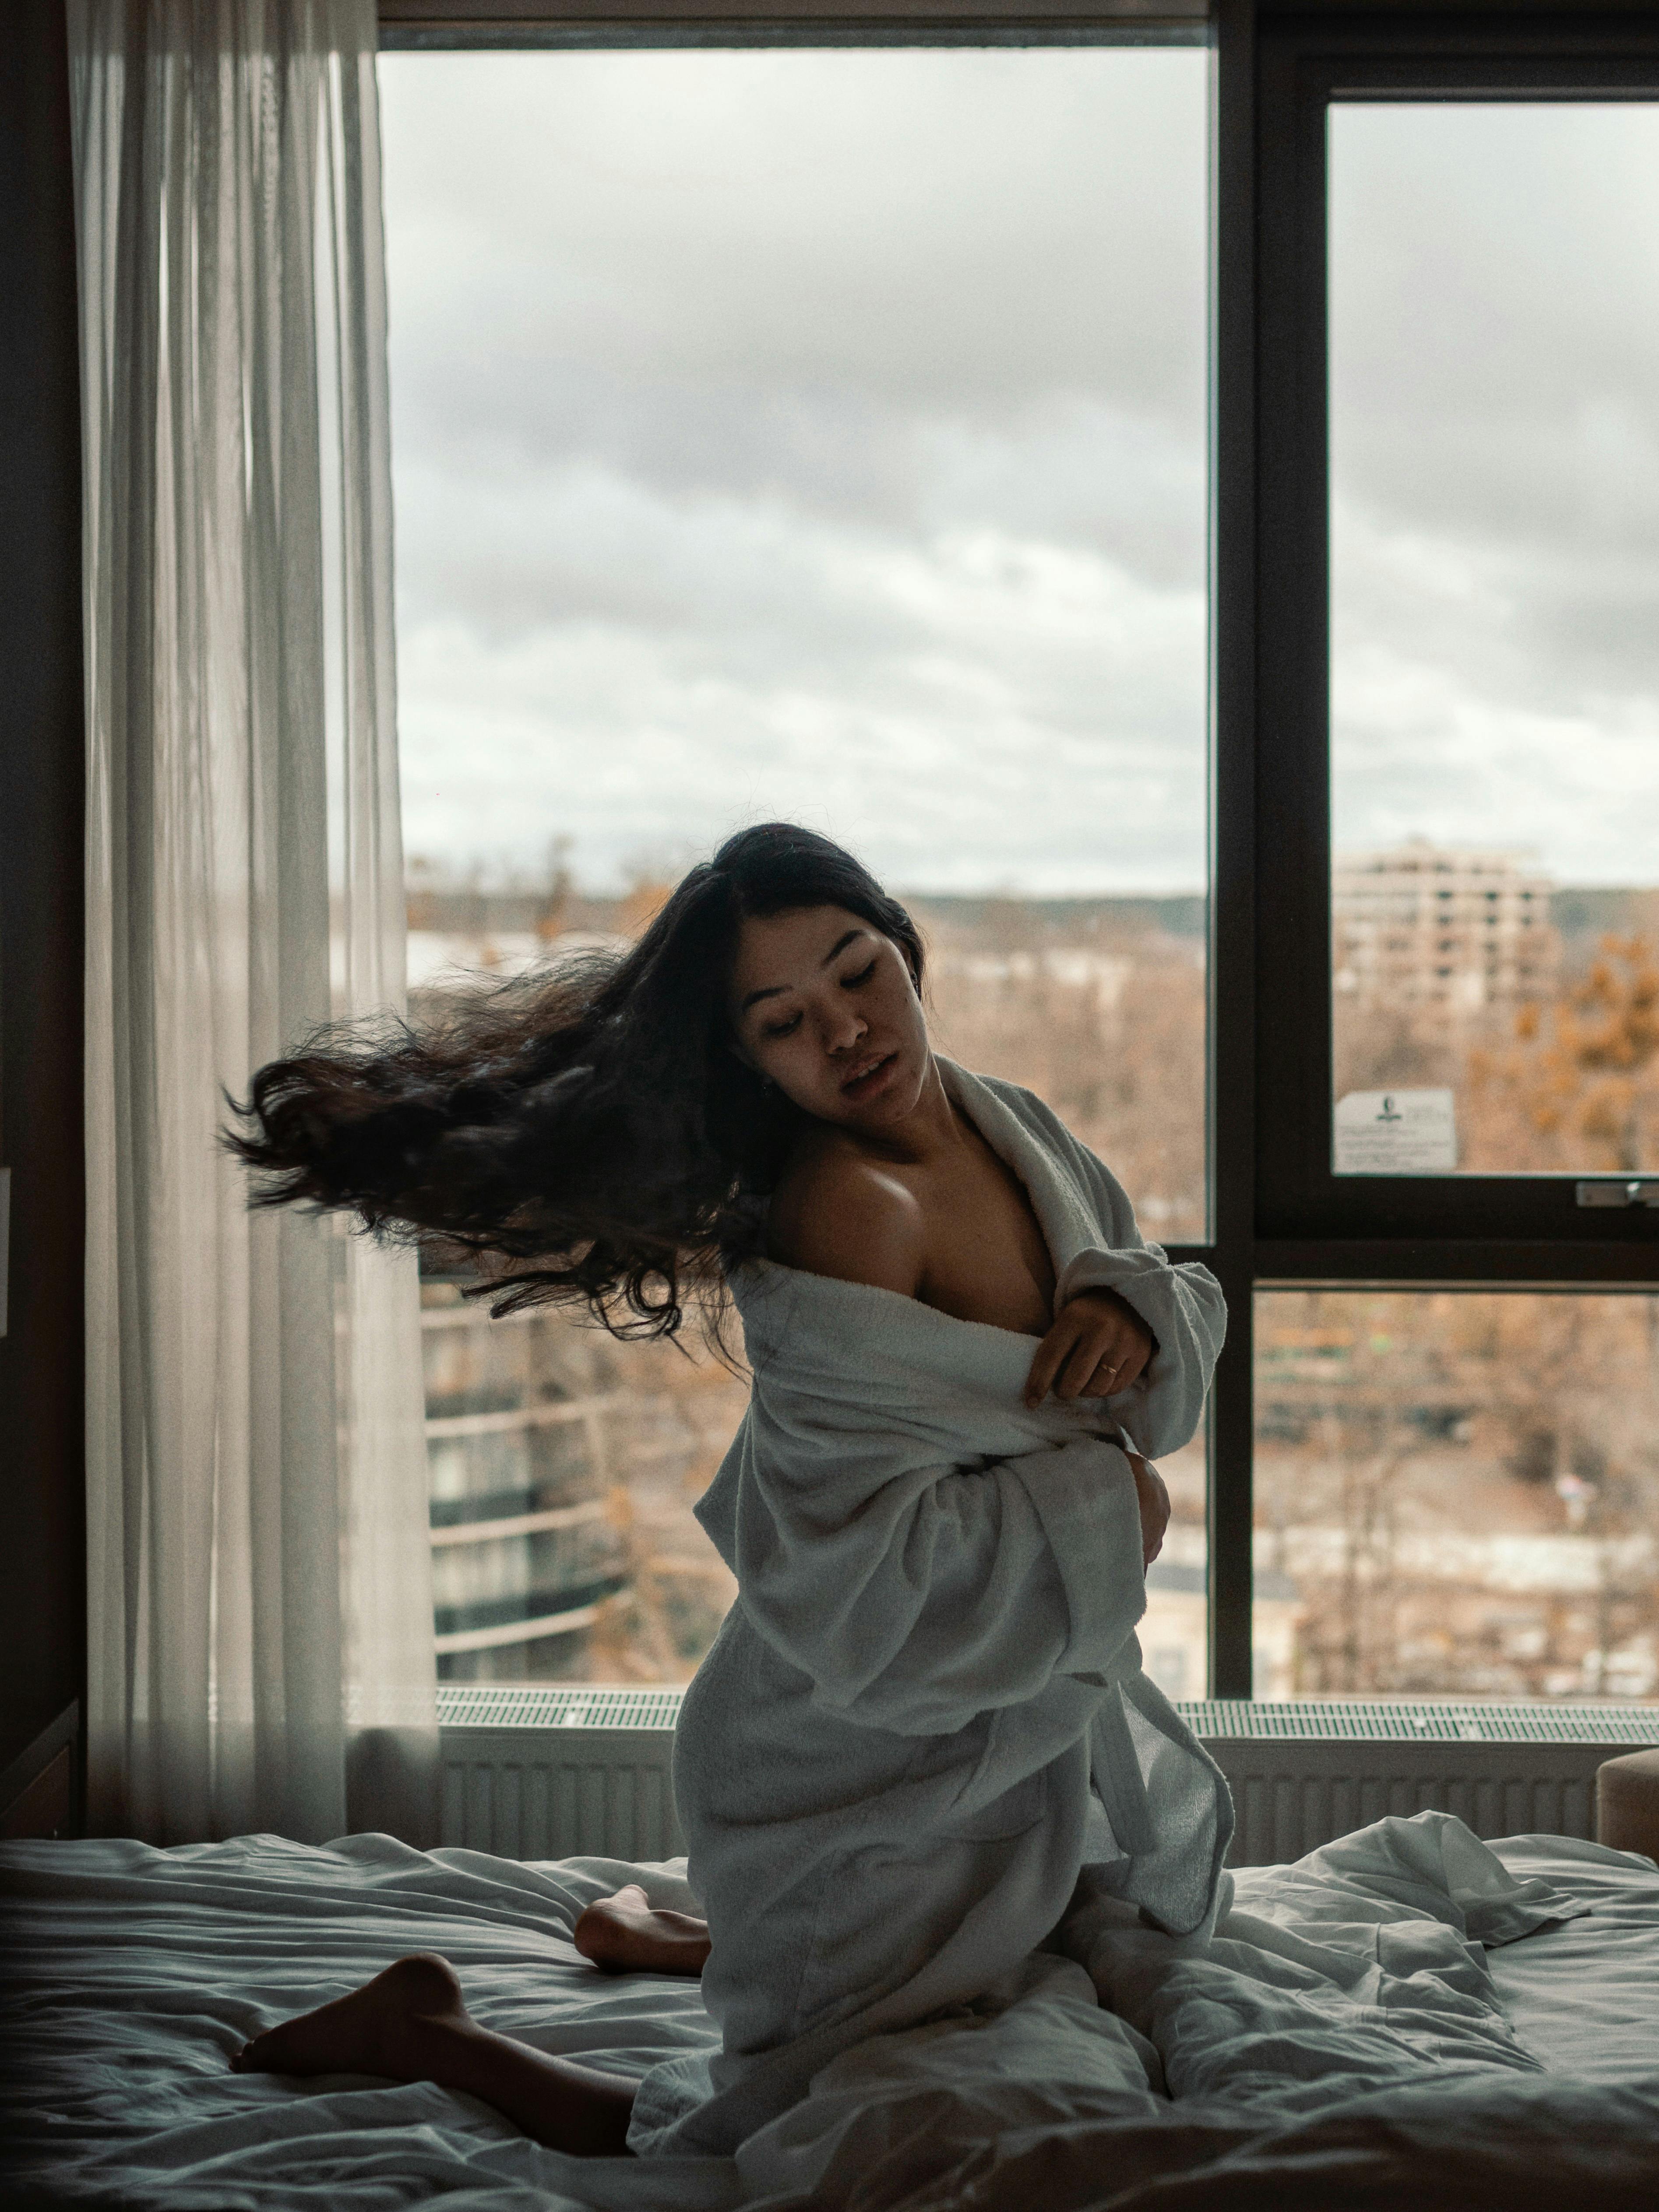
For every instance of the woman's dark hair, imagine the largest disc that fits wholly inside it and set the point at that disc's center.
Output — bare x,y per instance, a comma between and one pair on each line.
588,1123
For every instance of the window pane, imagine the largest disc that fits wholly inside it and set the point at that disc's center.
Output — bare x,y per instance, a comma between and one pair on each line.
1174,1631
1457,1494
817,434
1494,366
562,1467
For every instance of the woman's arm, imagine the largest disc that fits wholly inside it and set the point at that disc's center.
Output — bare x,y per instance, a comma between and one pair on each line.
1181,1306
1154,1499
947,1592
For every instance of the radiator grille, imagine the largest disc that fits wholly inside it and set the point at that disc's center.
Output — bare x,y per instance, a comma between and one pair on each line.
1304,1773
1415,1721
561,1706
561,1772
1402,1720
568,1770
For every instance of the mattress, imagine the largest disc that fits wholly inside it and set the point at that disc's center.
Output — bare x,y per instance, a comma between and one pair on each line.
133,1974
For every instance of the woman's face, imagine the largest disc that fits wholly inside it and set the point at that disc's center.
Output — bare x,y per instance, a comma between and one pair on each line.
823,1004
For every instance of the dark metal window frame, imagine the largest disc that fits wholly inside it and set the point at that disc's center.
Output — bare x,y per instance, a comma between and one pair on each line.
1278,1217
431,25
1282,1218
1478,1225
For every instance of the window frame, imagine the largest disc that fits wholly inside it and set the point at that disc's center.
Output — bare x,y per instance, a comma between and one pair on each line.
1279,1218
1459,1227
1282,1220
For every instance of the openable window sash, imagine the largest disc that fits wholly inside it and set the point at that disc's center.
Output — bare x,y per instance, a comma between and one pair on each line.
1466,1228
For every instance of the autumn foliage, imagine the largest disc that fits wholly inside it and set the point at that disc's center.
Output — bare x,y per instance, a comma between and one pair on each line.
1577,1085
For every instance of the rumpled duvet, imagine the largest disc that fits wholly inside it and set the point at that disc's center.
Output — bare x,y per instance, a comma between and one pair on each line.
1407,2020
1337,2042
926,1711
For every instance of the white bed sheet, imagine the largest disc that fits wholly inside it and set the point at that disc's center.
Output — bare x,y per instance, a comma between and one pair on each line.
133,1974
1585,1994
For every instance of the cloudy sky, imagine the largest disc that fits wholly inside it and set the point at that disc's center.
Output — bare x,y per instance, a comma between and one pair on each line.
823,435
1495,431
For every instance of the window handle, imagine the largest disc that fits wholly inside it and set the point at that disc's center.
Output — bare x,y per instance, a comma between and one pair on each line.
1640,1190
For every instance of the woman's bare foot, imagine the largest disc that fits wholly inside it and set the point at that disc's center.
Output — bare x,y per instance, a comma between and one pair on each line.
622,1935
408,2025
382,2028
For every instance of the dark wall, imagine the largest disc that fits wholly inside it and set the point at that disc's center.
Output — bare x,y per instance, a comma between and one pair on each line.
42,1512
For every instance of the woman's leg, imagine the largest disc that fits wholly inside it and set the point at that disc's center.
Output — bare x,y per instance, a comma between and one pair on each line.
409,2024
624,1935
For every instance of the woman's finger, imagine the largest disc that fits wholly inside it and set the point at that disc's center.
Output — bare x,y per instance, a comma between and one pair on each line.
1129,1359
1119,1361
1139,1346
1048,1358
1066,1358
1079,1363
1084,1356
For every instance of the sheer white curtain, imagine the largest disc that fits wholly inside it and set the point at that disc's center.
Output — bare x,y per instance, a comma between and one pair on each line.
260,1577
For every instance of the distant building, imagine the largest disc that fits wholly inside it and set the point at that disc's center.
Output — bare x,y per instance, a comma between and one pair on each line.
1441,930
1175,1631
526,1551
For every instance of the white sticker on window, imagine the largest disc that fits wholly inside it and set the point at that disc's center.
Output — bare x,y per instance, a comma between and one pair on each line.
1396,1132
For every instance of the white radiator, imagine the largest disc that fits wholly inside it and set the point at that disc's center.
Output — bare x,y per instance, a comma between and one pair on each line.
561,1772
1302,1773
555,1774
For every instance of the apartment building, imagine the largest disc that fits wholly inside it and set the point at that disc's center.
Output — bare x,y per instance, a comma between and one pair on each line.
525,1548
1440,930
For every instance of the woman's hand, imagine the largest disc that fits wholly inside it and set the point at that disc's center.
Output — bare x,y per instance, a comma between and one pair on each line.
1154,1502
1097,1346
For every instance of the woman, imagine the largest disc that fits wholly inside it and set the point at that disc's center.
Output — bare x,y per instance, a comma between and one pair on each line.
924,1717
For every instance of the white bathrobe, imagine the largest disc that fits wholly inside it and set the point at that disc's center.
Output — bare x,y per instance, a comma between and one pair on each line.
893,1766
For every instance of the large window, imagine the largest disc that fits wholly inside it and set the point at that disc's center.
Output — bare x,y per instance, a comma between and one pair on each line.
816,434
823,432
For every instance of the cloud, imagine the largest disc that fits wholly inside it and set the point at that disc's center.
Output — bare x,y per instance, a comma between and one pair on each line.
824,433
572,535
984,710
813,434
947,230
1495,435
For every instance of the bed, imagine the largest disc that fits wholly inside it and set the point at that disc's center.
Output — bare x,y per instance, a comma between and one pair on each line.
1425,2021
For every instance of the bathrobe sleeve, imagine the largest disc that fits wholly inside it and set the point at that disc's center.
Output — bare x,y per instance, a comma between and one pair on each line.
939,1594
1181,1305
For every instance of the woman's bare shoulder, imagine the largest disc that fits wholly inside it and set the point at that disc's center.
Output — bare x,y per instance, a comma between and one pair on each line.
837,1212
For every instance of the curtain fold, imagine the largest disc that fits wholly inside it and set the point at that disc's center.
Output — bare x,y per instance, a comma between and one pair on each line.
260,1621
